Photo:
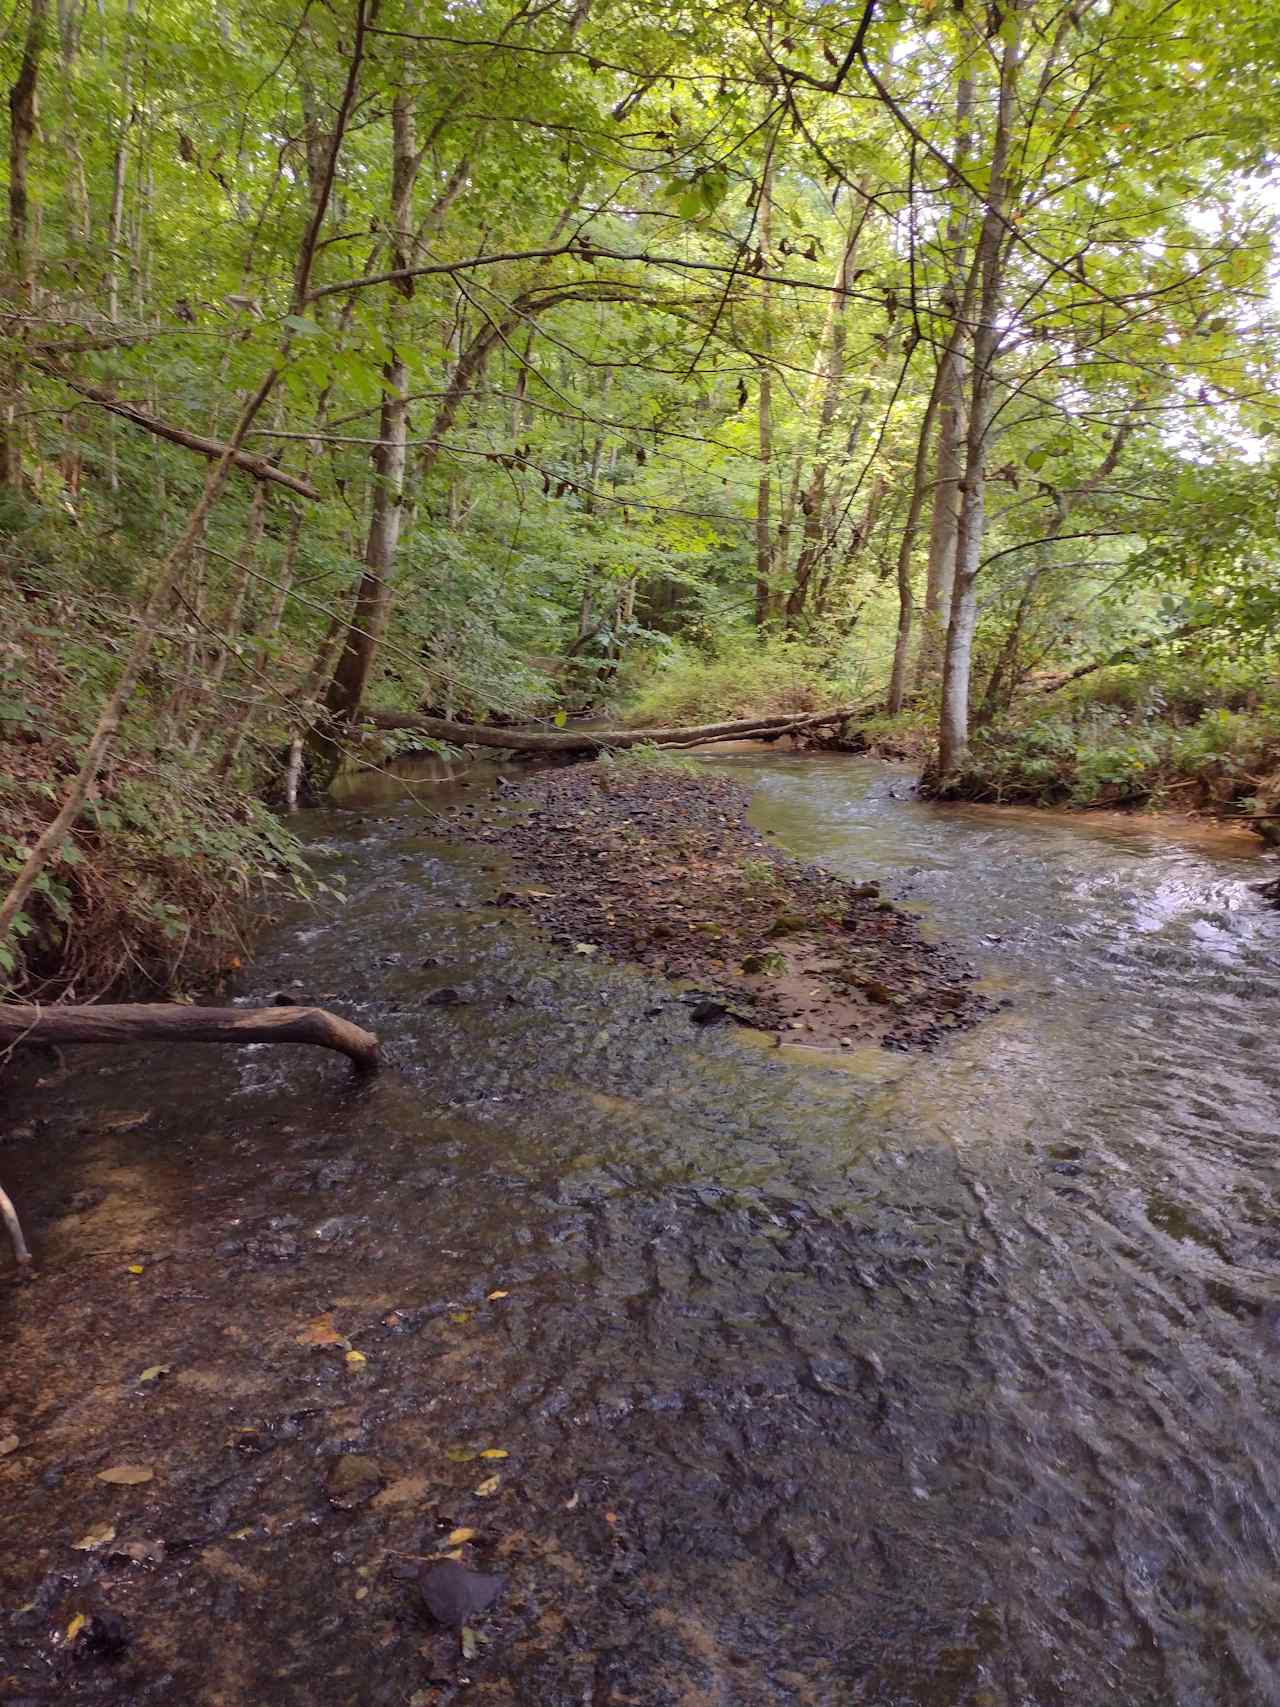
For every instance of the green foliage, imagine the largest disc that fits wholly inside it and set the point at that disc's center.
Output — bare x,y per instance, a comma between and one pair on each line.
740,677
1136,737
168,864
646,756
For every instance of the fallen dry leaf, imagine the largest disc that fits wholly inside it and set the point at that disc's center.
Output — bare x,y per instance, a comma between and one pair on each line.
155,1372
126,1475
321,1332
460,1316
495,1452
489,1487
136,1268
494,1295
470,1647
98,1536
8,1444
356,1359
76,1625
458,1536
461,1454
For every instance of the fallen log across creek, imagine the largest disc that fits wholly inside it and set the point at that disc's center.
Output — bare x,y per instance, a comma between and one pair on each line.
569,741
173,1022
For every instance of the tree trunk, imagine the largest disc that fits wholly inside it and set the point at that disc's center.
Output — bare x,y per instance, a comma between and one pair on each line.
1003,678
390,455
813,503
164,1022
22,130
119,169
764,527
953,734
906,545
22,266
949,463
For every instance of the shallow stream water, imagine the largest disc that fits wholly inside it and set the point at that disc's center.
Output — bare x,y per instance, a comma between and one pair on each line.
877,1379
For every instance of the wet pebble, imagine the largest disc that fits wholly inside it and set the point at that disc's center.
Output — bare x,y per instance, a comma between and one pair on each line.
353,1480
336,1229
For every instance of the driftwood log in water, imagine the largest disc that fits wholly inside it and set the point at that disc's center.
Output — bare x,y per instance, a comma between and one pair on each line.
174,1022
570,741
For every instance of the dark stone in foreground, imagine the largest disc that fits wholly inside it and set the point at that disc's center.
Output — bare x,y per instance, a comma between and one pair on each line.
454,1594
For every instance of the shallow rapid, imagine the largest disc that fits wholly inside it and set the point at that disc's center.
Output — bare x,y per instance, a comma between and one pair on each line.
945,1379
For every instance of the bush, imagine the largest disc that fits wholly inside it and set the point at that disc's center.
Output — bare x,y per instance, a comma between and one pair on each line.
743,677
154,891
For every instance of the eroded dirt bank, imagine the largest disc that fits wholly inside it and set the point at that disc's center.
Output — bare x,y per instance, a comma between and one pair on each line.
658,866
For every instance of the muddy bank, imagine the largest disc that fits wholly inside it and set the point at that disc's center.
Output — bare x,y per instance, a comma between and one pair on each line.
658,866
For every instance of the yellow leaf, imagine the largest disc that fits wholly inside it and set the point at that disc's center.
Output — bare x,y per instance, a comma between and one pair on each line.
8,1444
460,1316
136,1268
458,1536
126,1475
356,1359
494,1452
461,1454
489,1487
98,1536
76,1625
494,1295
155,1372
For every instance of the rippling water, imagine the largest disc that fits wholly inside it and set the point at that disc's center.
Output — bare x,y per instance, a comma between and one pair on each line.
944,1380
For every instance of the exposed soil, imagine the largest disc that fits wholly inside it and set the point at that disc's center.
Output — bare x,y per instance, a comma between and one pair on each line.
660,867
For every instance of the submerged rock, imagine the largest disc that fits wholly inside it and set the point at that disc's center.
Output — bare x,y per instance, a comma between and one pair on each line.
352,1480
453,1594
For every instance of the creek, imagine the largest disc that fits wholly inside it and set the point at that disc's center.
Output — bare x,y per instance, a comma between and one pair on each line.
885,1378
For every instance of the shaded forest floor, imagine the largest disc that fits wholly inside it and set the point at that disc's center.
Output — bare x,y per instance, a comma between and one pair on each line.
653,864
